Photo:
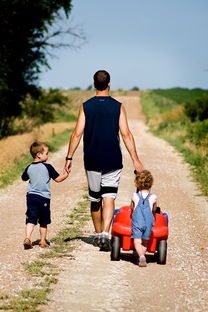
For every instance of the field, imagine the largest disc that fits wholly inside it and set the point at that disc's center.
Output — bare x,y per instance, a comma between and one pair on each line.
164,111
15,149
165,115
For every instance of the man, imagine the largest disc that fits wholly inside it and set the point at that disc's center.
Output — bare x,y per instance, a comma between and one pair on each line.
100,119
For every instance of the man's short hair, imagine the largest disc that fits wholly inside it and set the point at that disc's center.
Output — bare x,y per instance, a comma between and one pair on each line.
37,147
101,80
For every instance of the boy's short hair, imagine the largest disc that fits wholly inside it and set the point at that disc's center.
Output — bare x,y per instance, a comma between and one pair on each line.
37,147
101,80
143,180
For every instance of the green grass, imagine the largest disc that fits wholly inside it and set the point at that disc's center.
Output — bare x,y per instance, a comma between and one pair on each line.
180,95
61,116
39,268
14,172
20,164
28,300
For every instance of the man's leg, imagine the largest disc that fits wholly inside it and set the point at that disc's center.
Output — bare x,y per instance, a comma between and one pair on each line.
96,214
109,187
94,184
107,213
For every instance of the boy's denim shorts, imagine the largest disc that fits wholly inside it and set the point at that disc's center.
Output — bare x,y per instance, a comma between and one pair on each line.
38,210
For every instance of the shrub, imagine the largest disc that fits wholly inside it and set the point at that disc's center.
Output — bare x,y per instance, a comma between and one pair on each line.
135,89
44,107
198,131
198,109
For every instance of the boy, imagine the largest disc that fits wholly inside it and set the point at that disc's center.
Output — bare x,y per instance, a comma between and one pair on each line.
39,174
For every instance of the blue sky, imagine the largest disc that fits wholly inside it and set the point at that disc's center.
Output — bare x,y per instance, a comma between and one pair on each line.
144,43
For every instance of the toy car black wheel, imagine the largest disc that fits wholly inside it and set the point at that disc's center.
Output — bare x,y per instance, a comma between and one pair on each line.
115,248
162,252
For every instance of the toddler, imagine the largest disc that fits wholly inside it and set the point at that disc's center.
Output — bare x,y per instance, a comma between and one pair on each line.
143,204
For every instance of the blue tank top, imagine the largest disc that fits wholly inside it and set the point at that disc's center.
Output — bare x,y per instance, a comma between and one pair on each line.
101,134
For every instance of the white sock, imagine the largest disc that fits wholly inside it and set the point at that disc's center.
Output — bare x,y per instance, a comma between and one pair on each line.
105,233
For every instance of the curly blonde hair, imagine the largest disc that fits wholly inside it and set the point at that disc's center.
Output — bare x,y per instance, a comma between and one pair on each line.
143,180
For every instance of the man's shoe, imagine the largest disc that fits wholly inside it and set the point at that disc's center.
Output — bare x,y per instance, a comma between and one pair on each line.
105,243
96,241
27,243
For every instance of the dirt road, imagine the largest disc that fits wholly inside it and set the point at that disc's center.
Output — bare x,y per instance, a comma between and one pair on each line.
91,282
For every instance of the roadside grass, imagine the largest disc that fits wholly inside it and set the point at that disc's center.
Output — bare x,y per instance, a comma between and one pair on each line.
20,164
43,272
28,300
168,121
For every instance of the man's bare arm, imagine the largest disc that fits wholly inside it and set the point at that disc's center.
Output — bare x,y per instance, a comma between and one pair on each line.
75,137
129,140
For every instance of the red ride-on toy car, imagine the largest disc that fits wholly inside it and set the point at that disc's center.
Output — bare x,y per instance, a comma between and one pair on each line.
121,234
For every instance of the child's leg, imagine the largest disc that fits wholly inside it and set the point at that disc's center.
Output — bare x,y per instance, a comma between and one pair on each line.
29,229
28,232
144,244
140,249
43,233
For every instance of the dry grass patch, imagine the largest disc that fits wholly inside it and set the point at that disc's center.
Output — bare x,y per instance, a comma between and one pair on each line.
17,146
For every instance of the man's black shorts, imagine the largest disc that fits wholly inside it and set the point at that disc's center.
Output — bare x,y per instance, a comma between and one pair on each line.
38,210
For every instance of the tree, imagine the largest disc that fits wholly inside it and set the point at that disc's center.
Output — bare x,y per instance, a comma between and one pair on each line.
26,32
89,88
135,89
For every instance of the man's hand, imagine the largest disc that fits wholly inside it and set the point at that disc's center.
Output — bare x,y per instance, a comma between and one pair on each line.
68,166
138,165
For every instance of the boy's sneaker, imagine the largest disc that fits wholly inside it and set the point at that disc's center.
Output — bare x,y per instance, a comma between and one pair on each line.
105,243
27,244
43,244
142,261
